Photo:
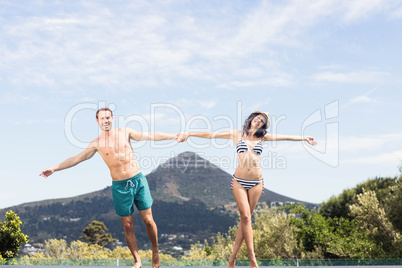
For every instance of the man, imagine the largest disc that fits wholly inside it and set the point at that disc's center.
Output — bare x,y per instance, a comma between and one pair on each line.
129,185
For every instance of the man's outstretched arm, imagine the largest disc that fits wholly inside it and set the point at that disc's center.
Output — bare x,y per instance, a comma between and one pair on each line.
154,136
70,162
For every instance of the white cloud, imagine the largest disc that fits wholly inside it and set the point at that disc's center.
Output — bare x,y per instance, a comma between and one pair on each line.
364,77
157,116
333,67
397,13
365,98
275,80
366,150
362,98
358,9
152,44
250,72
42,121
370,142
373,144
354,143
208,104
87,99
260,105
382,158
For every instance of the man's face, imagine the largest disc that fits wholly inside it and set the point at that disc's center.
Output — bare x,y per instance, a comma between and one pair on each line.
105,120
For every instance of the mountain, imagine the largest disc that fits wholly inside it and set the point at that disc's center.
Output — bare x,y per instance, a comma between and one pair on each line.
192,202
189,176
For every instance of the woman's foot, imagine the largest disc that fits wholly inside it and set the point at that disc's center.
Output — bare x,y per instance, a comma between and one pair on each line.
231,263
253,263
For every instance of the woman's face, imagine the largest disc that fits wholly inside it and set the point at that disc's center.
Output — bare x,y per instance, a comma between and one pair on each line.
258,121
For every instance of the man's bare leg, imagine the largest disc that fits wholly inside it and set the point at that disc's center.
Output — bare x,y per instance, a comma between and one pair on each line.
128,224
152,232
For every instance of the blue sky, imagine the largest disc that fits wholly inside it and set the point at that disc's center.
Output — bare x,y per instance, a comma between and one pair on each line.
329,69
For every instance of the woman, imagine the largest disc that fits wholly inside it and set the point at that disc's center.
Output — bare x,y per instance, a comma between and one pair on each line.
247,182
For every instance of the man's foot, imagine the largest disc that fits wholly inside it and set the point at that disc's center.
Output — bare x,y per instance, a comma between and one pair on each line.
155,259
137,264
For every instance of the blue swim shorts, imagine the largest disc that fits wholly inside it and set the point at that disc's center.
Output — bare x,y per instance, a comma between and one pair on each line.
126,193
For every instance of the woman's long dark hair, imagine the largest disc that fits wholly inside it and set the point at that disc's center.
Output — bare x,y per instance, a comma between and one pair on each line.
247,124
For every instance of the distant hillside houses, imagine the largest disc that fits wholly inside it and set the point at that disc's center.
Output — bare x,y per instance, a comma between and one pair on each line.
275,204
63,219
31,249
279,204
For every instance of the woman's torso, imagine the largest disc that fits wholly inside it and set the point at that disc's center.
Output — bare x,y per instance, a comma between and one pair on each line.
248,150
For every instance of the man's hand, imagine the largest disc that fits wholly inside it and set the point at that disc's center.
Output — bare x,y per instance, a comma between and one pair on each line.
181,137
47,172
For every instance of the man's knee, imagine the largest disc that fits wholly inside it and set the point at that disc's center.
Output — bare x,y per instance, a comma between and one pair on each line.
128,225
147,218
149,221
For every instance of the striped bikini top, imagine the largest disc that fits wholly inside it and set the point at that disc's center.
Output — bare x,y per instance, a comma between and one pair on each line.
242,147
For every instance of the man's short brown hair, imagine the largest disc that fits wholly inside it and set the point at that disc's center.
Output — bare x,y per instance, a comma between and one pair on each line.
104,109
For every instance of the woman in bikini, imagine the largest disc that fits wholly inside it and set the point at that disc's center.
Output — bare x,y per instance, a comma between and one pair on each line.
247,182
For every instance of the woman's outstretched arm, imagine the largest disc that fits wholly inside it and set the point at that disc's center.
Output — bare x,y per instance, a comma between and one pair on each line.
280,137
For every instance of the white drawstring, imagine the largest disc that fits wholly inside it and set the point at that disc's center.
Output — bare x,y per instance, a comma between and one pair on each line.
132,184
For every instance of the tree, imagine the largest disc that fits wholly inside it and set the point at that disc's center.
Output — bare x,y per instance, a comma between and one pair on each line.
393,205
273,239
11,237
375,208
274,236
81,250
370,216
56,248
301,234
312,231
323,237
95,233
339,206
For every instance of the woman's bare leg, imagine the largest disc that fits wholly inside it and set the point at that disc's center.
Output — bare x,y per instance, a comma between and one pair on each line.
238,242
253,196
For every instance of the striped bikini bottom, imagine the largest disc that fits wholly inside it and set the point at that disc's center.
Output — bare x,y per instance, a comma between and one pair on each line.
247,184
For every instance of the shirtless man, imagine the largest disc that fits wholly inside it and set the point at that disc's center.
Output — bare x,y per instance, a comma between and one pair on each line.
129,186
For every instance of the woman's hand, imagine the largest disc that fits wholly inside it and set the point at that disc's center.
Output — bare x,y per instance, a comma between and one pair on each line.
310,140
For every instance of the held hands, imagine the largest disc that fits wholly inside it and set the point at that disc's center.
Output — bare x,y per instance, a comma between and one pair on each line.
181,137
310,140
